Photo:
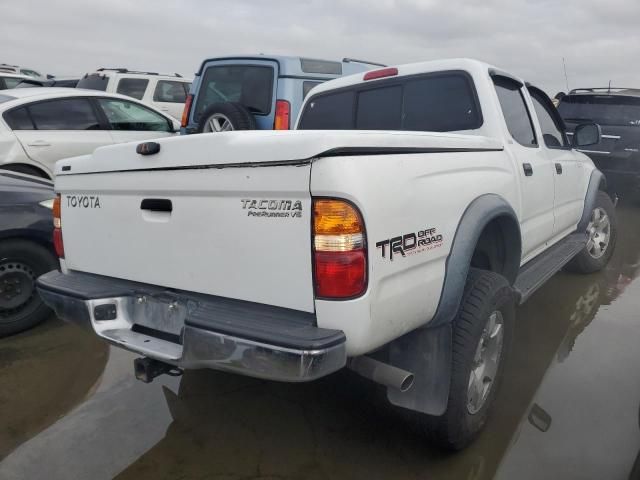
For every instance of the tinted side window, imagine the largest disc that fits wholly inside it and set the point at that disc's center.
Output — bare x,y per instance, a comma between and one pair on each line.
132,87
12,82
380,109
19,119
443,103
551,133
515,111
436,103
129,116
170,91
64,114
307,86
329,112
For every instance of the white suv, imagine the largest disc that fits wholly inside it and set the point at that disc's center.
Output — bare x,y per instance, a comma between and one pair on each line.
164,92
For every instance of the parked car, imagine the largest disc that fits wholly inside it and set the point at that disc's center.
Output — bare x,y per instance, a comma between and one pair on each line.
617,111
393,234
26,249
13,80
39,126
29,72
261,92
166,93
68,82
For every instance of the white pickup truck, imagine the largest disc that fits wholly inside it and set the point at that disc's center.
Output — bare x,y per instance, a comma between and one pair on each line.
393,233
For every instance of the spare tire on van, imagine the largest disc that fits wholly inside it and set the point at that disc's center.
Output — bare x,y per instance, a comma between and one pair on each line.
225,117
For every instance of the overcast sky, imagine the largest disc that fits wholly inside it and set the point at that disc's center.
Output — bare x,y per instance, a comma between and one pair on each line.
599,39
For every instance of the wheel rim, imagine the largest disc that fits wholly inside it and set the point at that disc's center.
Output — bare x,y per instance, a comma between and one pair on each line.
218,123
17,282
485,363
599,232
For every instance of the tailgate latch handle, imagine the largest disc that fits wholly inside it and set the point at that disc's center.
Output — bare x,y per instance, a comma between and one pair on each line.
148,148
156,205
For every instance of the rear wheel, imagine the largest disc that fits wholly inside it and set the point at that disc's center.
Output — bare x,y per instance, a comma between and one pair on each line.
226,117
21,263
602,232
482,333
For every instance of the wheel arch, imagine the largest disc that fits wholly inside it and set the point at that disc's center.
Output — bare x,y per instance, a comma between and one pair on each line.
597,182
485,217
26,168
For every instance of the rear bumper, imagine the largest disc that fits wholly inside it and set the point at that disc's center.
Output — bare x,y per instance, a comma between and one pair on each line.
197,331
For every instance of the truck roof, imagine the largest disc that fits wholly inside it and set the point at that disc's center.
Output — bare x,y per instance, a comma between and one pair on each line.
465,64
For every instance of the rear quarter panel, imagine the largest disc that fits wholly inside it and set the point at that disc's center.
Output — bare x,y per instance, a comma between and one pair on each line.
398,195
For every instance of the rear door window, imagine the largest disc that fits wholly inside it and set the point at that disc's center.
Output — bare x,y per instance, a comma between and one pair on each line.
12,82
132,87
95,81
64,114
170,91
436,103
129,116
250,85
515,111
18,119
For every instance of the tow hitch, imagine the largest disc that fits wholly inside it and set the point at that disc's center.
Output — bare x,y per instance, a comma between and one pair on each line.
146,369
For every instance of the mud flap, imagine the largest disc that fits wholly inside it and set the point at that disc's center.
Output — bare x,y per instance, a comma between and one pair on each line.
427,353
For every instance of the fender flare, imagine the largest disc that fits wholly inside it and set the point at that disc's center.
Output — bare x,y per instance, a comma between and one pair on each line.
427,351
476,217
596,179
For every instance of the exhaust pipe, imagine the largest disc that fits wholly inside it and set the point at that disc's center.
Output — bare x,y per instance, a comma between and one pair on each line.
146,369
382,373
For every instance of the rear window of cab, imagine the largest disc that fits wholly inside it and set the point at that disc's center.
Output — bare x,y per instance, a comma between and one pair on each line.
438,102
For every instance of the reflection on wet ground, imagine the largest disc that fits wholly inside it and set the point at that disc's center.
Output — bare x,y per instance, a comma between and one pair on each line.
568,407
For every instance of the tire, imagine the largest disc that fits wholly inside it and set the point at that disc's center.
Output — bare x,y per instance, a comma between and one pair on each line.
26,169
487,298
229,115
21,263
588,260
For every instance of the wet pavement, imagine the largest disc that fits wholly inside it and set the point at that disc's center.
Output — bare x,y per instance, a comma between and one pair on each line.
568,408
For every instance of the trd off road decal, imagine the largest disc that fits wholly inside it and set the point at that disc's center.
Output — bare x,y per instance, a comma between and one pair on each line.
410,243
83,201
272,208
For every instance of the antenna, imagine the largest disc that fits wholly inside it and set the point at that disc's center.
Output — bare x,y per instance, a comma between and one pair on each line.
564,65
609,91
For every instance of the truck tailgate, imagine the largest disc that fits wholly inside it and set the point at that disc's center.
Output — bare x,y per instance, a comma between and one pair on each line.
237,232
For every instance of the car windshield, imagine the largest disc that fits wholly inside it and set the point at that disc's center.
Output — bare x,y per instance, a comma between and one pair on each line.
251,85
601,109
95,81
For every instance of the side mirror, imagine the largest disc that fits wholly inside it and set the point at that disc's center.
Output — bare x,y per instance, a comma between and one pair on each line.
586,134
175,127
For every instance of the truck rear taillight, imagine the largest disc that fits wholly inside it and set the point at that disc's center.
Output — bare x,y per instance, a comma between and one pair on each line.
58,246
187,111
283,112
339,250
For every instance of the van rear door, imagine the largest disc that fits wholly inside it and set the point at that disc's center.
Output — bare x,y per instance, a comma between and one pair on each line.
250,82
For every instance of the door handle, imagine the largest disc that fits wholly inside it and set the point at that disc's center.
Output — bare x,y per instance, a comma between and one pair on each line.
38,143
156,205
528,169
559,168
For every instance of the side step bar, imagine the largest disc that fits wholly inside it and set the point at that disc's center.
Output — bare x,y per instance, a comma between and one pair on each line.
536,272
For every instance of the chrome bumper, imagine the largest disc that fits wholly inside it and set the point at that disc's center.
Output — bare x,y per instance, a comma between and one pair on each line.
197,331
